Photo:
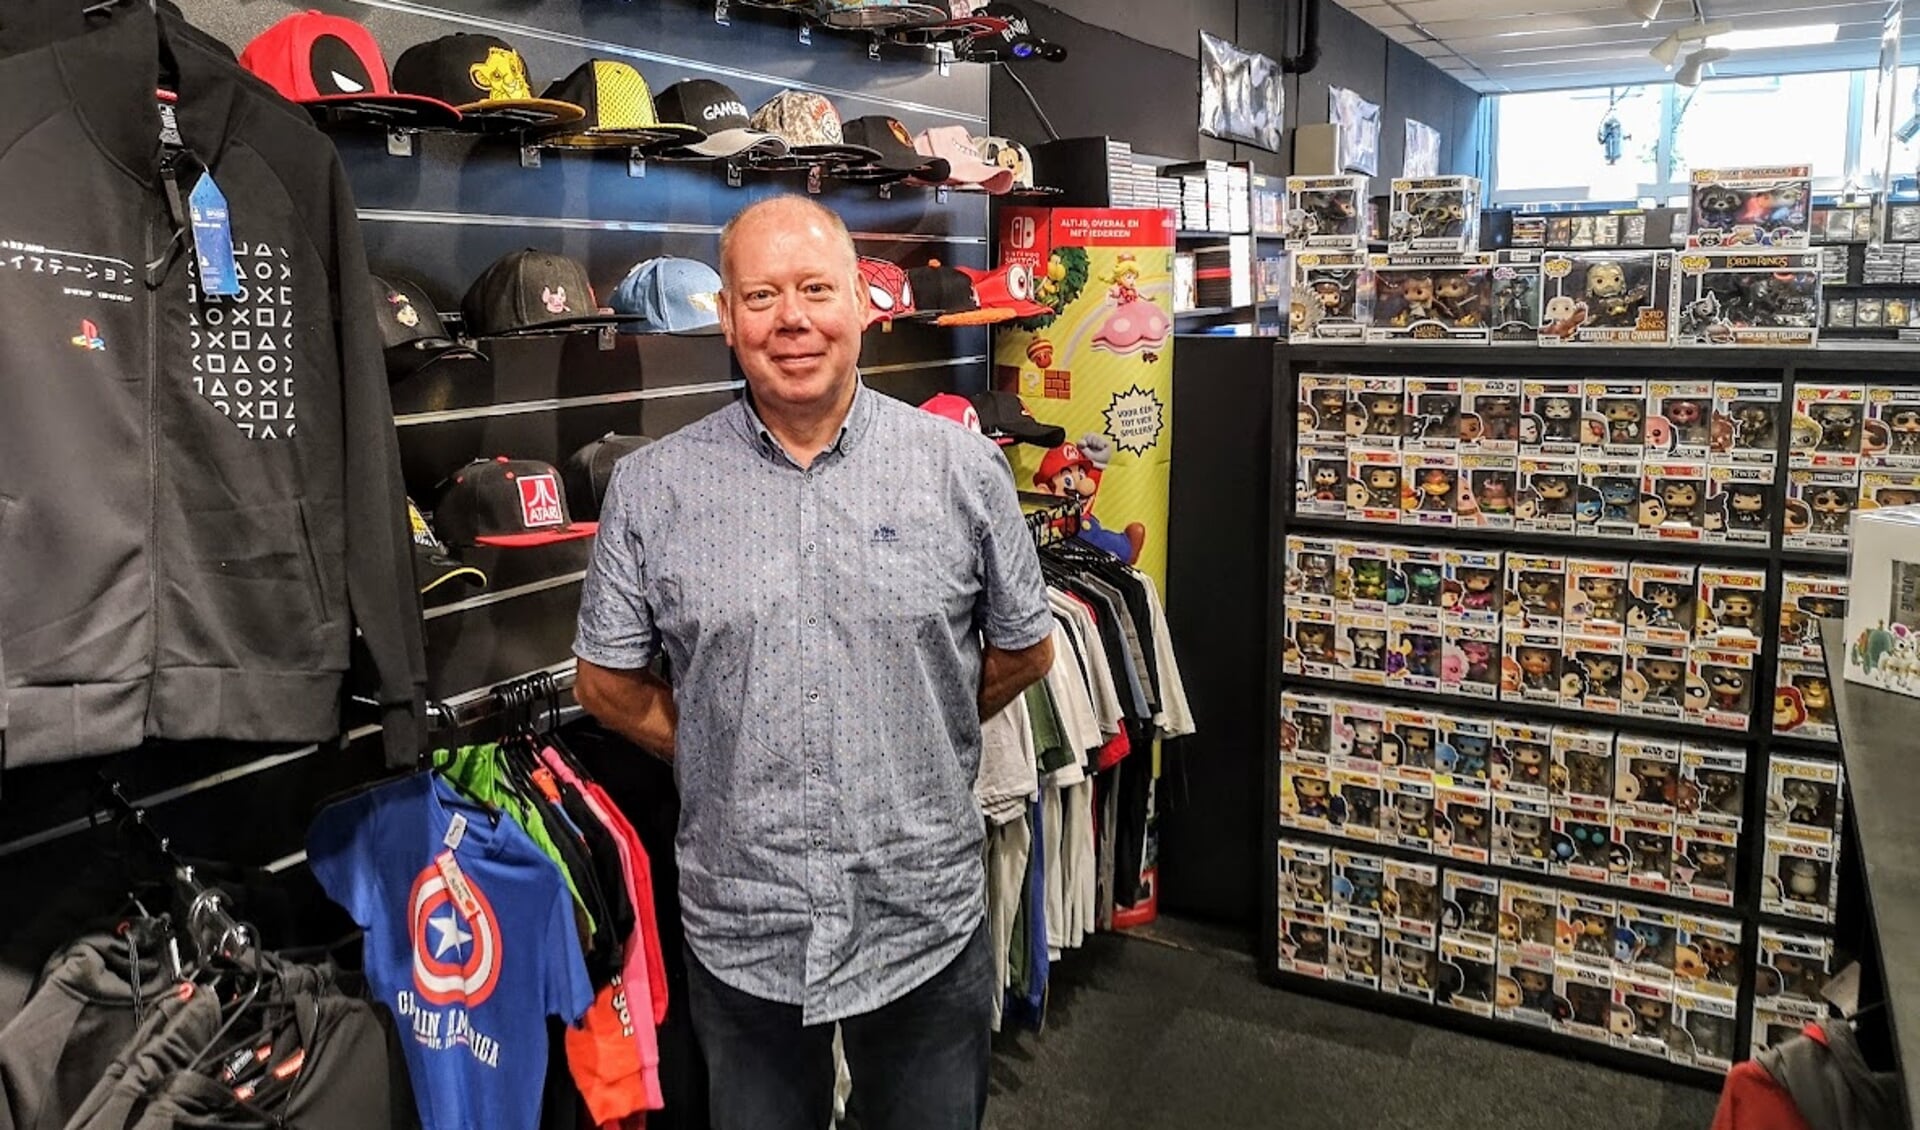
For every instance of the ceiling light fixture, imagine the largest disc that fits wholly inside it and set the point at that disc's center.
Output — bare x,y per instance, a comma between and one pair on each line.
1696,64
1806,35
1668,49
1647,10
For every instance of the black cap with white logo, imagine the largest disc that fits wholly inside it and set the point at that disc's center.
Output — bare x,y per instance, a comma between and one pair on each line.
589,470
715,110
530,291
411,330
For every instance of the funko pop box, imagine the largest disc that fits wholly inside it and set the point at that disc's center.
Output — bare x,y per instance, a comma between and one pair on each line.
1883,600
1605,297
1327,213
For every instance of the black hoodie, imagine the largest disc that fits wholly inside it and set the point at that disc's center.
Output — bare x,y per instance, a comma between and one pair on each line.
201,496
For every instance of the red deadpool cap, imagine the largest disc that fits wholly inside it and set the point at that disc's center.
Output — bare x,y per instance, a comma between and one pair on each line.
332,64
508,504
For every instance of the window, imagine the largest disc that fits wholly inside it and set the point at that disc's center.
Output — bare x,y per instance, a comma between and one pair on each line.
1775,120
1548,141
1546,151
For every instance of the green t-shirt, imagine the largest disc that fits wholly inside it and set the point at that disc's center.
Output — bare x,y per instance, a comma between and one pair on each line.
476,771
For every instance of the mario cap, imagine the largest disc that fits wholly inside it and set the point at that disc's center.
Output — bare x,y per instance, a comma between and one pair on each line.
953,406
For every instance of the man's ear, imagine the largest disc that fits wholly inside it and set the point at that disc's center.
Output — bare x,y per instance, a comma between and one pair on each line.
723,302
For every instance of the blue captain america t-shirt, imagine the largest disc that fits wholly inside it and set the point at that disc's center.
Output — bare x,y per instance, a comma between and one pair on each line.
472,946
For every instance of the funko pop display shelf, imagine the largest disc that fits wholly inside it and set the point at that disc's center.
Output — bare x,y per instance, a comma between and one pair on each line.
1877,731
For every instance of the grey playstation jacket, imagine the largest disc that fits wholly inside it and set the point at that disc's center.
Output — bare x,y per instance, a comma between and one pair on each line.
200,497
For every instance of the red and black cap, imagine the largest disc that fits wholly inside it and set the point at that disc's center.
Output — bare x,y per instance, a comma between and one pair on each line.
942,290
889,291
333,66
433,566
1004,418
531,291
411,329
1006,287
508,504
589,471
485,79
969,20
1016,43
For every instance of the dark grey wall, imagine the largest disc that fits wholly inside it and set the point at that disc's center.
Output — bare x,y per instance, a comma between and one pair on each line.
1132,73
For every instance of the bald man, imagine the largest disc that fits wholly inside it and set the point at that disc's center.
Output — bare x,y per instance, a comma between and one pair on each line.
843,588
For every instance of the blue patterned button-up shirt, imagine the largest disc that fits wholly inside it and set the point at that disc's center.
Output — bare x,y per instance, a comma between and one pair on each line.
824,631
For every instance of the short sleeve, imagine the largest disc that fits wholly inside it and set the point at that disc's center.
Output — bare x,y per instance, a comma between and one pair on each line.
1013,601
341,853
568,991
616,623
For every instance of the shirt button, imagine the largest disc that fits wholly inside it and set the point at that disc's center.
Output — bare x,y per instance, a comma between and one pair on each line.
811,546
813,696
819,841
813,621
814,771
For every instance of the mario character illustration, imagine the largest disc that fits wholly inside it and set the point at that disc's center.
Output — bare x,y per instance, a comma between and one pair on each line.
1136,324
1073,471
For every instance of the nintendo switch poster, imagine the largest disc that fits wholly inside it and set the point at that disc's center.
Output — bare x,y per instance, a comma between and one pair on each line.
1101,367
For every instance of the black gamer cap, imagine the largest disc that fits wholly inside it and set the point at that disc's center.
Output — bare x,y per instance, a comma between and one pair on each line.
530,291
411,330
589,471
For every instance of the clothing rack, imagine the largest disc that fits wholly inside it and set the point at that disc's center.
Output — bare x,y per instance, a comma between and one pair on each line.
1052,520
214,929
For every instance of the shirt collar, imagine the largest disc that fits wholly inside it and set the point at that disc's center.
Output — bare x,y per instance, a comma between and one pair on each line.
852,429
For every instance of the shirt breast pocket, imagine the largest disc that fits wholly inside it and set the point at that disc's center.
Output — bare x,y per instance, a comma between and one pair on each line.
902,574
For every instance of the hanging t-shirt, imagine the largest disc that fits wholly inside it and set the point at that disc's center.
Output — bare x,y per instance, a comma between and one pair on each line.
469,940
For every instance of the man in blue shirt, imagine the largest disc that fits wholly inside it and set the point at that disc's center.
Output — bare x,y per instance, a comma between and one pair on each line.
844,588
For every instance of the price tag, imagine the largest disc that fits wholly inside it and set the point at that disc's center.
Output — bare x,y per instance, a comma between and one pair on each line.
456,831
213,239
457,888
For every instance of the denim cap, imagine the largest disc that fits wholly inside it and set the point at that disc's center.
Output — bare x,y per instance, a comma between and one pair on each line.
669,295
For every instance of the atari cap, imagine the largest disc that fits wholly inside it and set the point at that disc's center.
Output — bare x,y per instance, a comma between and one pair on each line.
668,295
433,566
618,106
508,504
484,78
332,65
589,470
893,153
530,291
810,126
718,113
411,330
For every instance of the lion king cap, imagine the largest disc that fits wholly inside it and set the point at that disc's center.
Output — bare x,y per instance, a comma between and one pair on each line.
668,295
965,163
717,112
810,126
527,291
411,330
484,78
893,153
618,106
433,566
332,65
508,504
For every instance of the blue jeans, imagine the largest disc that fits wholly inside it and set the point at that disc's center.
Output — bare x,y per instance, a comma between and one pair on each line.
919,1063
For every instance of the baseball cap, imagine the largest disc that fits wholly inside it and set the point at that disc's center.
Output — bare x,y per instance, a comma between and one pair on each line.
528,290
1005,153
965,164
668,295
1006,287
878,13
889,291
966,21
953,406
590,470
484,78
716,111
1015,43
508,504
1005,419
893,153
618,106
411,330
433,566
945,292
810,126
333,64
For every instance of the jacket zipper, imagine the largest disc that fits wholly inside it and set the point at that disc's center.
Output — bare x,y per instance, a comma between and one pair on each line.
154,295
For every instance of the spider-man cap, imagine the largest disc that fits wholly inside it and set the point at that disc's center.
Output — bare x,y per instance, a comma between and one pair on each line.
508,504
332,64
889,292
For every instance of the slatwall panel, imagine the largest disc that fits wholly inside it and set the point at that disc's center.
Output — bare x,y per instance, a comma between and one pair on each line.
439,217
